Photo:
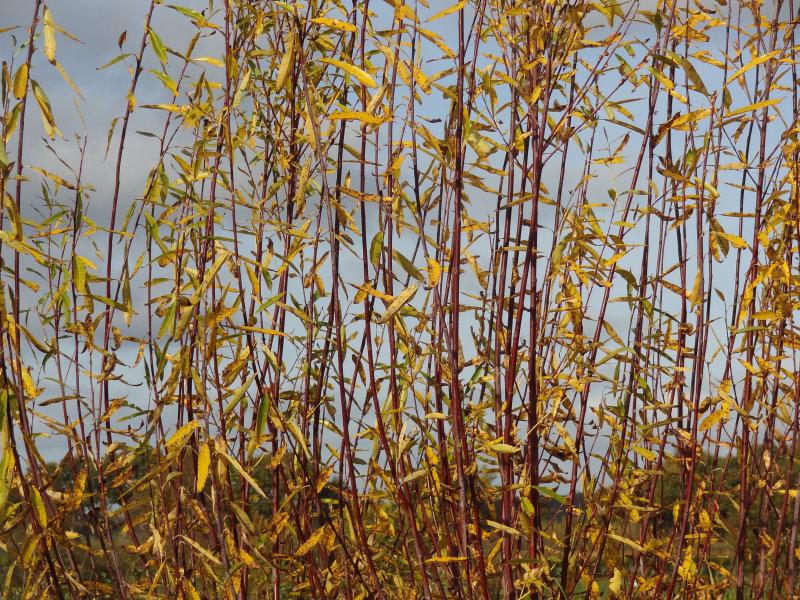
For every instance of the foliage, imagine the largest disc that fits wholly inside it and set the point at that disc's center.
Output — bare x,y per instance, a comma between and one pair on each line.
414,300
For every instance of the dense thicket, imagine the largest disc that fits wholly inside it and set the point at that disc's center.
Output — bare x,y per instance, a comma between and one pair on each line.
397,300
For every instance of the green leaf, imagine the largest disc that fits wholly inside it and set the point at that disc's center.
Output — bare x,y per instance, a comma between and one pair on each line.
43,101
158,46
126,297
189,12
168,82
375,248
550,494
3,155
408,266
113,61
504,448
38,508
6,474
261,417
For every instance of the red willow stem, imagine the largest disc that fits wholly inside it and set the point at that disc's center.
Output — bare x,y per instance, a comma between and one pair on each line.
14,343
129,106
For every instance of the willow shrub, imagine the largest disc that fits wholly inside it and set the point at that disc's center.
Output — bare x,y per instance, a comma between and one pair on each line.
402,300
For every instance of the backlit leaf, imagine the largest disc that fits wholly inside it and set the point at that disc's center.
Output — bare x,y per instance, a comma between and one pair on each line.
361,75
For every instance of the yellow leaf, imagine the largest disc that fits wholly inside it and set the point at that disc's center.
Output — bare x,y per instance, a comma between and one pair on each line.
262,330
398,302
211,60
309,544
68,79
21,82
323,478
362,76
735,240
353,115
421,79
615,585
246,558
594,591
695,296
436,415
714,418
501,527
645,453
49,36
309,126
753,63
79,276
189,590
448,11
753,107
201,550
208,278
44,104
691,117
446,559
247,477
414,475
434,272
21,247
286,64
170,107
432,457
178,439
764,315
203,461
438,41
626,541
504,448
298,435
57,179
376,99
335,23
688,569
158,46
614,259
31,391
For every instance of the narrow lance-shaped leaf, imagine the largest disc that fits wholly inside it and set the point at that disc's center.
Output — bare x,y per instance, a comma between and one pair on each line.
49,36
400,300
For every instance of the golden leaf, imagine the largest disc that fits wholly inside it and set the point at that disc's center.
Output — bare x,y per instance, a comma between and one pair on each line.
398,302
309,544
203,461
49,36
448,11
361,75
20,84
